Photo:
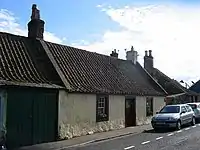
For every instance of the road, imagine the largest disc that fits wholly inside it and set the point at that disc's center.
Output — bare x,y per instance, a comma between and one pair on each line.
186,139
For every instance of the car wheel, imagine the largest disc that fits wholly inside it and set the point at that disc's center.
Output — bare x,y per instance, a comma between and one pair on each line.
155,129
193,121
178,125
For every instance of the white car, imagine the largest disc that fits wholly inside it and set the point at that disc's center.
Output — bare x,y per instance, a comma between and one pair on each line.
196,108
173,116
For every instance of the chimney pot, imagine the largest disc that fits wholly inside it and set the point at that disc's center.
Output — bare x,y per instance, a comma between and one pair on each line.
150,53
146,53
114,53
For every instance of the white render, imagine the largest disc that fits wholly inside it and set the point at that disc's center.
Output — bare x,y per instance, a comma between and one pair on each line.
77,113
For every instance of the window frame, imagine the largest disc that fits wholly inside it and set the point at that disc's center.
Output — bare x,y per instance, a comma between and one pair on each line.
150,107
104,106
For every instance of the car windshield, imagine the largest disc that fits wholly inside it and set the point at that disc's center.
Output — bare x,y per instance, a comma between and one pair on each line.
170,109
194,106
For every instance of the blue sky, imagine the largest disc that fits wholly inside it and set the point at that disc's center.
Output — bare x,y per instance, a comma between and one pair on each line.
75,20
170,28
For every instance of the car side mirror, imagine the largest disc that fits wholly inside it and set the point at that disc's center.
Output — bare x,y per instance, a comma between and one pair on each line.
157,112
183,112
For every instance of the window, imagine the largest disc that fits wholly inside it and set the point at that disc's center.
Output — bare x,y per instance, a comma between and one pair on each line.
193,106
188,108
183,109
102,108
170,109
149,106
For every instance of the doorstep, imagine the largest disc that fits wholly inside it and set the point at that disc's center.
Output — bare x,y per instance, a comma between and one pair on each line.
83,140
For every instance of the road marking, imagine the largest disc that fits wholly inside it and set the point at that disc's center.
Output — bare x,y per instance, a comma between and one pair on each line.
158,138
129,147
170,134
187,128
145,142
179,131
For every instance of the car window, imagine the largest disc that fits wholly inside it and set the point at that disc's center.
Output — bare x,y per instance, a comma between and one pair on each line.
183,109
194,106
170,109
189,109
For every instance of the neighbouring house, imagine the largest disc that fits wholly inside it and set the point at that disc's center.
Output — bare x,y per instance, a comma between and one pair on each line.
51,91
176,92
195,87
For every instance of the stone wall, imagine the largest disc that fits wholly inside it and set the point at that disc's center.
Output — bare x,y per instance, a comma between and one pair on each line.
68,131
77,114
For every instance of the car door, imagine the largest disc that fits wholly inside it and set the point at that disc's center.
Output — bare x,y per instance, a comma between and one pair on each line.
190,114
183,115
198,111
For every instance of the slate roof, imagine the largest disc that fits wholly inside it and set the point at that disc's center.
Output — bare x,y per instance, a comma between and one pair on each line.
95,73
195,87
16,63
170,85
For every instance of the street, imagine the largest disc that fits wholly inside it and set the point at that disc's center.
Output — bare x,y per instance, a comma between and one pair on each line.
188,138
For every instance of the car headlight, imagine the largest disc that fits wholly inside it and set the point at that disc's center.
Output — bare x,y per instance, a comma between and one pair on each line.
153,119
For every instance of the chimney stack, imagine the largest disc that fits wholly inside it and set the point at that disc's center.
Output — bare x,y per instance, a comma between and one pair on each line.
148,61
114,54
132,55
36,25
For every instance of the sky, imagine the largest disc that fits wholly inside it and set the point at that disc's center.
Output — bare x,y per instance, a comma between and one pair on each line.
171,29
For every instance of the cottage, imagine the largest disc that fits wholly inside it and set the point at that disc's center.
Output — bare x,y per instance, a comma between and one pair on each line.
176,92
51,91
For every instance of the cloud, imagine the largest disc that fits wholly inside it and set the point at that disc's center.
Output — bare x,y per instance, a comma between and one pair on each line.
9,23
172,32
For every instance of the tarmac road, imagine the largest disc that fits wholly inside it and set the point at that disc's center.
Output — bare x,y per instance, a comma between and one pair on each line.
186,139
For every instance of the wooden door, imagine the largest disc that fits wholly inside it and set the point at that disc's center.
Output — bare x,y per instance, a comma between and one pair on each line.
130,112
19,119
31,117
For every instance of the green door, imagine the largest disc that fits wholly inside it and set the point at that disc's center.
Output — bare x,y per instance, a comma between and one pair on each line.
44,117
31,116
19,121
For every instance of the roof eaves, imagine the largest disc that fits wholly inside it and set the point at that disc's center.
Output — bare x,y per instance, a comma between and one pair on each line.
41,85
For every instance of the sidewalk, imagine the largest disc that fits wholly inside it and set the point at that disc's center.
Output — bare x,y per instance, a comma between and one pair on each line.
78,141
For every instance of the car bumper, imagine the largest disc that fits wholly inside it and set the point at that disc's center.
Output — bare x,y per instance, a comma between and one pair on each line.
163,124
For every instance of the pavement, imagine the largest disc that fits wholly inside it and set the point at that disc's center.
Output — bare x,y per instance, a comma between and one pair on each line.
89,139
135,138
187,138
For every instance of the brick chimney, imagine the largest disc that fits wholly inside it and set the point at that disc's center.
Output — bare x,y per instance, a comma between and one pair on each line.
36,25
148,61
114,54
132,55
